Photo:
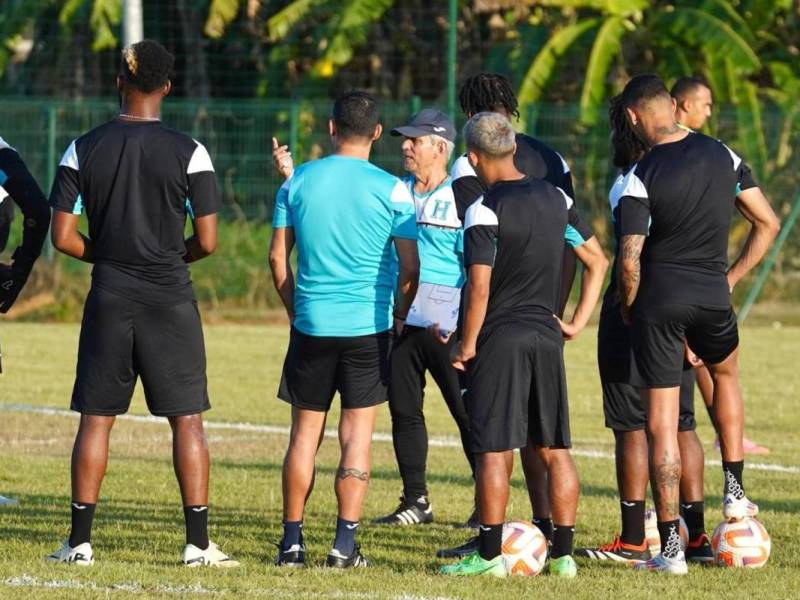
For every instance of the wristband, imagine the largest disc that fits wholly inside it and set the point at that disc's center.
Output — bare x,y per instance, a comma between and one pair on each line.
398,317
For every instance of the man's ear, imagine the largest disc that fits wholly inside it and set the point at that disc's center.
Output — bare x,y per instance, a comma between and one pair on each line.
331,128
473,158
165,91
632,116
378,132
120,83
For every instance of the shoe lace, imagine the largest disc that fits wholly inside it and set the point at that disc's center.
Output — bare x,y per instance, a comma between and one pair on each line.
615,545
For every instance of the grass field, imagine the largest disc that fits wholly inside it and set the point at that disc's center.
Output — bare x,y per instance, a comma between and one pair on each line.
139,528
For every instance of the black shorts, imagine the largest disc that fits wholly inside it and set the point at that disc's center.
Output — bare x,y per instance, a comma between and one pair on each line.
518,389
658,334
620,379
122,339
317,367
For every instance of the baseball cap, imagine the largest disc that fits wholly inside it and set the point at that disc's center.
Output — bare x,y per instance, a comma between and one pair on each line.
428,121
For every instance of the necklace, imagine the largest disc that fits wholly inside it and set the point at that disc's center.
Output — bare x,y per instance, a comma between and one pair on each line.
135,118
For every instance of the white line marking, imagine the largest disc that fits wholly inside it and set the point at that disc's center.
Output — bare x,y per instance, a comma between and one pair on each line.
441,441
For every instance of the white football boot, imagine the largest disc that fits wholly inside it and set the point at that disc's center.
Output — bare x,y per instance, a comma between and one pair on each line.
192,556
79,555
734,509
673,566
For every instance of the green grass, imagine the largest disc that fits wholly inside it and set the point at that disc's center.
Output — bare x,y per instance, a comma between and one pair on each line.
139,529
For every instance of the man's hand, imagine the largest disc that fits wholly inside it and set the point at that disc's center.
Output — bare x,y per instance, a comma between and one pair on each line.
731,282
399,326
282,159
11,283
691,357
569,330
460,355
442,336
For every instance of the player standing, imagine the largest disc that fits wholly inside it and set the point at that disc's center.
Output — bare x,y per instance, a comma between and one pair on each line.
344,214
17,185
675,217
137,180
489,92
512,342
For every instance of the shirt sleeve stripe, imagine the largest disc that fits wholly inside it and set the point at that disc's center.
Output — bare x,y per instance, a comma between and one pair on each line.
200,160
478,214
564,164
734,157
567,198
462,168
70,158
633,186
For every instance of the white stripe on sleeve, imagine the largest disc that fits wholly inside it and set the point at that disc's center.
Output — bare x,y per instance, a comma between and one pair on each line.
478,214
70,158
200,160
462,168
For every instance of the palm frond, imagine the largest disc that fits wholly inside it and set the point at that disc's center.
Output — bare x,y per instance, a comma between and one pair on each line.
607,45
221,13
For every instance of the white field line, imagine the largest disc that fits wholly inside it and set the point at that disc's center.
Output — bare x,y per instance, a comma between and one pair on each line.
27,581
440,441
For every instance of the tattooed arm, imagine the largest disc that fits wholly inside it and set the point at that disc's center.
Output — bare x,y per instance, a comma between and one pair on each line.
629,271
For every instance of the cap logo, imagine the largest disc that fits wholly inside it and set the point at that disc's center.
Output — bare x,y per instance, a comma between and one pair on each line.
439,128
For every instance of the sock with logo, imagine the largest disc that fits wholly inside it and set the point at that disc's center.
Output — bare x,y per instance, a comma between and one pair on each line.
545,525
734,485
563,536
632,512
490,540
292,535
668,531
345,541
196,525
694,517
82,517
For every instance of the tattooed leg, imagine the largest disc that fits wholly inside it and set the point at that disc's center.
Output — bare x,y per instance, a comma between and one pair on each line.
352,477
665,461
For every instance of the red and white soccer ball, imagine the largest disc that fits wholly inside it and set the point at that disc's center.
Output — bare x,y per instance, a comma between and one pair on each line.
524,548
743,543
651,532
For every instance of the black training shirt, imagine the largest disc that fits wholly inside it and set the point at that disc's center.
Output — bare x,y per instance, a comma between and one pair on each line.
137,182
680,196
519,228
533,158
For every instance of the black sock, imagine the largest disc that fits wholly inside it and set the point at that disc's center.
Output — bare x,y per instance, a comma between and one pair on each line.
669,532
490,541
545,525
734,485
632,512
196,518
82,517
694,517
562,540
419,500
345,541
292,534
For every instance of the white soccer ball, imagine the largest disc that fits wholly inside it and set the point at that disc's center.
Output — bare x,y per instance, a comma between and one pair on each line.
743,543
524,548
651,532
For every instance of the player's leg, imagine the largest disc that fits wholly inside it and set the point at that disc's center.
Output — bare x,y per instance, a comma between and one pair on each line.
536,482
698,548
409,434
308,383
362,380
104,382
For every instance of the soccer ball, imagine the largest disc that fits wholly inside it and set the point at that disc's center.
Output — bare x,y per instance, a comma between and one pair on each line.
743,543
651,532
524,548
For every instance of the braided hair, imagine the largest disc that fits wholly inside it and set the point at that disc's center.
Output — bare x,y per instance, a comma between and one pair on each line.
487,92
146,65
627,146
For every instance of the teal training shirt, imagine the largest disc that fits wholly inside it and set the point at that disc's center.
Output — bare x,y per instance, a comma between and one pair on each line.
345,212
440,235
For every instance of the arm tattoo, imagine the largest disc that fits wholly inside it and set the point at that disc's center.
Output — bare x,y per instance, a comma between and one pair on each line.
630,268
666,484
345,472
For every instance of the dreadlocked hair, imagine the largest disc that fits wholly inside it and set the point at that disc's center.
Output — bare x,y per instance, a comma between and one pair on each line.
486,92
146,65
627,147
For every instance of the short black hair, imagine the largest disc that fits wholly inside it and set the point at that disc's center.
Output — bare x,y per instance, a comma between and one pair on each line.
356,115
486,92
686,85
146,65
643,87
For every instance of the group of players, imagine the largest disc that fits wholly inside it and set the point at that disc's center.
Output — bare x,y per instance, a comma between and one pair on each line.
465,275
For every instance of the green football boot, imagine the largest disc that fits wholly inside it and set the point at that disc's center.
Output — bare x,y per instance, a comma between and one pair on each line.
563,566
475,565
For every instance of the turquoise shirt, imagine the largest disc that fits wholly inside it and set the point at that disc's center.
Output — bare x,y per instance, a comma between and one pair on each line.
440,235
345,212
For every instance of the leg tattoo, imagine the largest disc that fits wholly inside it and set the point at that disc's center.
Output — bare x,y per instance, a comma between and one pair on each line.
345,472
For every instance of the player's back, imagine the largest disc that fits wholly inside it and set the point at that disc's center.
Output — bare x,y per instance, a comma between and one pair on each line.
689,187
344,212
523,223
137,181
